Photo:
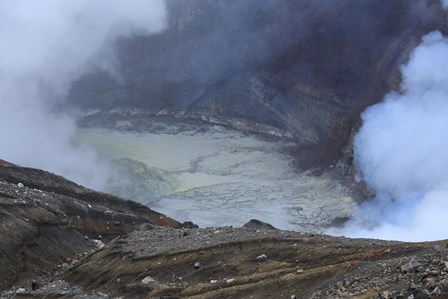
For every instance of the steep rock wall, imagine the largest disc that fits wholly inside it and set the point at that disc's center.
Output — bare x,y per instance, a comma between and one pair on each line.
307,68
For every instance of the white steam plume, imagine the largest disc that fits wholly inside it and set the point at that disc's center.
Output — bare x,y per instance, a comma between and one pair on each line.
445,3
46,45
402,152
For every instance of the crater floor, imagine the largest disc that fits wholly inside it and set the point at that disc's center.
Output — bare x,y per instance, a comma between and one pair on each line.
213,175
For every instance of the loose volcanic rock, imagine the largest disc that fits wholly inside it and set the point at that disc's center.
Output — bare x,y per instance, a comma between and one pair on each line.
46,218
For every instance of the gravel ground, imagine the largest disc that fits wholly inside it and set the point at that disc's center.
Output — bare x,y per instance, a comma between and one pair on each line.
64,241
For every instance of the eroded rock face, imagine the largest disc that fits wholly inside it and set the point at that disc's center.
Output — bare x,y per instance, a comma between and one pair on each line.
45,219
306,68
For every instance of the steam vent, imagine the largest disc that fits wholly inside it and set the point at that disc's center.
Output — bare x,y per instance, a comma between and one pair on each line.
224,149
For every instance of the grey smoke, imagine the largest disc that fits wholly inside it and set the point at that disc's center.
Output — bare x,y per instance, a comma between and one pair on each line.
45,46
402,152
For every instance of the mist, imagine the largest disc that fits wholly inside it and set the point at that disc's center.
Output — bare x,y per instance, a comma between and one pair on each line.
47,45
401,152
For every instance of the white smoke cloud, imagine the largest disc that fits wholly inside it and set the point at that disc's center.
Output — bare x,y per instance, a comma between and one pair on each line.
402,152
445,3
46,45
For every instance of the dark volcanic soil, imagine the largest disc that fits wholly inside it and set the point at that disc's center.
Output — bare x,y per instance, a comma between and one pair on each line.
50,241
45,219
251,263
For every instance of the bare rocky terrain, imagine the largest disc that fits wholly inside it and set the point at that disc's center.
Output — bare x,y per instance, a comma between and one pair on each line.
296,70
46,219
60,240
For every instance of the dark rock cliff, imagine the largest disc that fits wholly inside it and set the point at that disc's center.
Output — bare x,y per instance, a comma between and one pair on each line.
305,68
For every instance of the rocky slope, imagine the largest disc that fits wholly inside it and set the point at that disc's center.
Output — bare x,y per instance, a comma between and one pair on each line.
300,69
45,219
260,263
60,240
